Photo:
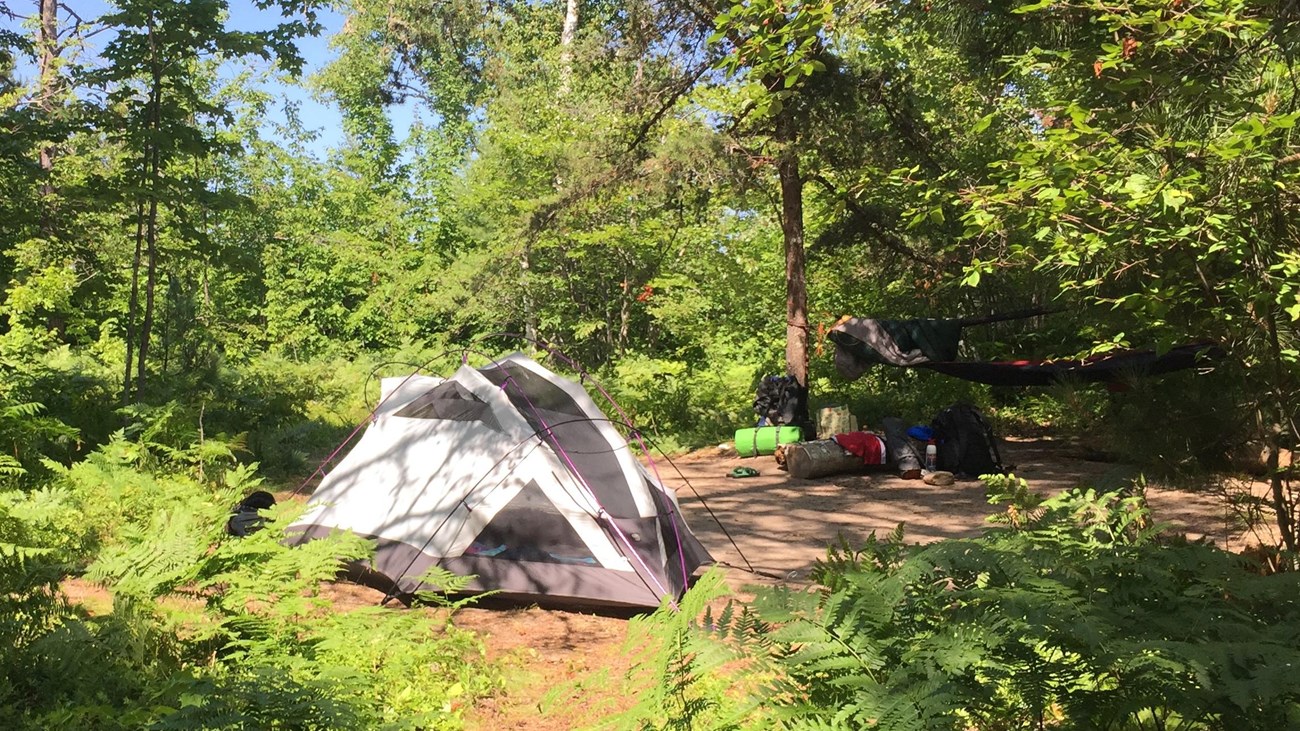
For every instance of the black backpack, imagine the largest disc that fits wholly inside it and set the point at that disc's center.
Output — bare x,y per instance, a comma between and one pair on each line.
966,444
781,400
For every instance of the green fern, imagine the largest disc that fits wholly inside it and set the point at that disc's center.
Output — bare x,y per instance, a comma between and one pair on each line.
1071,617
11,467
687,674
1023,506
443,588
206,630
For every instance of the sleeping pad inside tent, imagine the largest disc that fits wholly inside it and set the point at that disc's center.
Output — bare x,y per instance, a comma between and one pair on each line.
512,474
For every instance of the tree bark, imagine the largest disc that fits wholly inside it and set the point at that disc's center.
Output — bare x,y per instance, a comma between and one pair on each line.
624,323
133,305
1277,489
151,283
1279,391
151,220
567,34
796,287
530,310
49,47
819,458
51,88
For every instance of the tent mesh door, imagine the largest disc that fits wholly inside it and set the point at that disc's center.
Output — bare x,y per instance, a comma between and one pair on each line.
530,528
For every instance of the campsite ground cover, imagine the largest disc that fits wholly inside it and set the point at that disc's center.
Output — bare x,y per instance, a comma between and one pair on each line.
565,667
566,670
783,524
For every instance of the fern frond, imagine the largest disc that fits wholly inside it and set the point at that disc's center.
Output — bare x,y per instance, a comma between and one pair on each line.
10,467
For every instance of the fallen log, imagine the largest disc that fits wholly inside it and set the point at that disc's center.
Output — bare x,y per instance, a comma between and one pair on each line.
820,458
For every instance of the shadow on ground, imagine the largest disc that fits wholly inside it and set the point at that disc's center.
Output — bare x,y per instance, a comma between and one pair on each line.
780,525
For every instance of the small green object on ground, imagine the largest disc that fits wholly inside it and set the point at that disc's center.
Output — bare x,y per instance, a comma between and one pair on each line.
743,472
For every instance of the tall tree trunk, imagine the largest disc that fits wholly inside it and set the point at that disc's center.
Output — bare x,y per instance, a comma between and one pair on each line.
151,221
1277,439
51,88
567,34
796,288
530,310
133,305
624,323
48,42
151,278
168,317
1280,391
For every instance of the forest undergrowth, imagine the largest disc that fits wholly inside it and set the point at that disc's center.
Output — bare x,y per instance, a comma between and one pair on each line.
202,280
205,630
1074,612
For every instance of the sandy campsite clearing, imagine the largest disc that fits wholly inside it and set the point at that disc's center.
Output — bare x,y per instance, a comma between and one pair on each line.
783,524
565,663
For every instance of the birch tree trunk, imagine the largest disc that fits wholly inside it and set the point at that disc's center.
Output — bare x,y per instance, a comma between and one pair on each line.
48,100
567,35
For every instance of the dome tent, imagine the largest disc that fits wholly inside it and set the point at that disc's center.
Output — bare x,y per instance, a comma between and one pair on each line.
511,474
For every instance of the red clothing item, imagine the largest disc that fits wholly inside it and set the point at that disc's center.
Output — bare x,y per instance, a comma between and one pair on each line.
866,445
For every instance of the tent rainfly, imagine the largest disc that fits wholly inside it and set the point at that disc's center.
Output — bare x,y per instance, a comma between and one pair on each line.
511,474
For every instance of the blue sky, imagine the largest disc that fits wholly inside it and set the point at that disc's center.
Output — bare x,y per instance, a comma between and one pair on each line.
244,15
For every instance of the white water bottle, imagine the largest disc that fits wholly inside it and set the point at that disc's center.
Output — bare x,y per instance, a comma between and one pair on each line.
931,457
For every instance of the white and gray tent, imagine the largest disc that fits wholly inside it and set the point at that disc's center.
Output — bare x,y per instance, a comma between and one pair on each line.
512,474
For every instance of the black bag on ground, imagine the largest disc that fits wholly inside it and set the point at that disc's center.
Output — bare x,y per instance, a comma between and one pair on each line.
245,518
966,444
781,400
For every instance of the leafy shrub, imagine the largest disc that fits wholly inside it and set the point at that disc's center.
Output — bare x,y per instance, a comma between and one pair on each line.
46,520
294,413
290,412
685,405
1066,408
29,431
1069,613
1182,423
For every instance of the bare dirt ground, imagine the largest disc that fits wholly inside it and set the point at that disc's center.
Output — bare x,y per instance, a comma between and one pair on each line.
780,526
563,669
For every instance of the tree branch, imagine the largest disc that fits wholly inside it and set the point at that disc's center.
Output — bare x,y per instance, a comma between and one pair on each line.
886,239
677,93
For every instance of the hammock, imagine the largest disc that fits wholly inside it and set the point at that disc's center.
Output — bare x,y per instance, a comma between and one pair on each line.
861,343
